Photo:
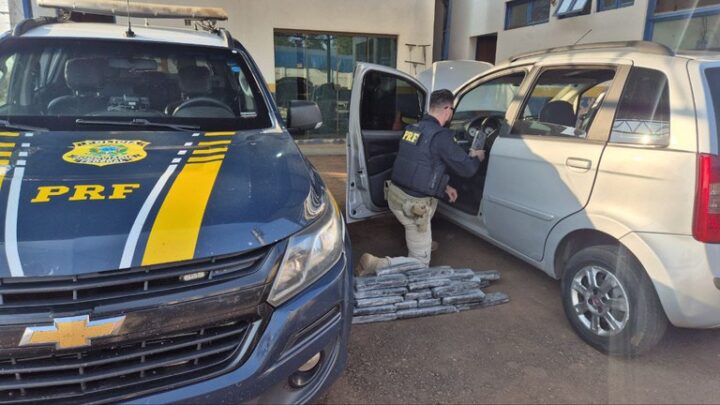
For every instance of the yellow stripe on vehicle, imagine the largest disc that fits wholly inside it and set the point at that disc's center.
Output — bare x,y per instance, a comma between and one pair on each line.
10,134
7,144
174,234
227,133
205,158
214,143
3,172
209,151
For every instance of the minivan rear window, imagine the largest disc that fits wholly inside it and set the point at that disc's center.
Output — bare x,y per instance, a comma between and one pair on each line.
643,115
712,76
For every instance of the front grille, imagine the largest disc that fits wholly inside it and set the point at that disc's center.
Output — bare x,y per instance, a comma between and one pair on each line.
124,370
58,294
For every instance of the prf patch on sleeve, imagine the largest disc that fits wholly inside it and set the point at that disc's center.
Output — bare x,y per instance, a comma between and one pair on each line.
411,137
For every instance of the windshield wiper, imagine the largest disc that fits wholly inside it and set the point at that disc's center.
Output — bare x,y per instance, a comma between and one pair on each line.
137,122
5,124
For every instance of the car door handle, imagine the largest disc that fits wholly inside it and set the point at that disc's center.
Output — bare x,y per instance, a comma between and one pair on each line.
578,163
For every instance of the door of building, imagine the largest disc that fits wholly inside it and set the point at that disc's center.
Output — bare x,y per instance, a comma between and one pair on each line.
486,48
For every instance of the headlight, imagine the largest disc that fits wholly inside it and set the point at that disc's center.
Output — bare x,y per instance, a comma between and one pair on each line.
310,254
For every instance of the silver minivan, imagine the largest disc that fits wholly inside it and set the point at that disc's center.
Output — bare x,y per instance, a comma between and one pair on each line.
603,172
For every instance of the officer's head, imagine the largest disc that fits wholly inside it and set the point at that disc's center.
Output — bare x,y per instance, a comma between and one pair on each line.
441,105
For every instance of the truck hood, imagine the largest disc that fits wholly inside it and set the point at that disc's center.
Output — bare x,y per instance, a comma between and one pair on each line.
84,202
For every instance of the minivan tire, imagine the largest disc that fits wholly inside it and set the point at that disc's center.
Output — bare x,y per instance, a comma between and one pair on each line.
643,321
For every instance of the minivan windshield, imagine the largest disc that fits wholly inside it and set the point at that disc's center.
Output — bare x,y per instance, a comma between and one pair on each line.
78,84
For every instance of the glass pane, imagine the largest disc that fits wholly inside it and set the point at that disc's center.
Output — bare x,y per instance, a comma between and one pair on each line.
540,11
493,97
579,5
555,104
6,67
389,103
624,3
518,14
664,6
564,6
163,83
319,67
607,4
698,33
290,74
643,114
713,79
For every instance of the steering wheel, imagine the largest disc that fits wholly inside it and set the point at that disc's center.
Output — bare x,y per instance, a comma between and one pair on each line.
490,126
203,102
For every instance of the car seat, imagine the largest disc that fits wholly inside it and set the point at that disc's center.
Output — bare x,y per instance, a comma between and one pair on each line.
194,82
85,77
558,112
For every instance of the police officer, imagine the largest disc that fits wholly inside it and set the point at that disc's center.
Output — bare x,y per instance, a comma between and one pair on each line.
419,178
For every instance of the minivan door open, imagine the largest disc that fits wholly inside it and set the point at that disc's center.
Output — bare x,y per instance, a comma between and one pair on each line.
383,102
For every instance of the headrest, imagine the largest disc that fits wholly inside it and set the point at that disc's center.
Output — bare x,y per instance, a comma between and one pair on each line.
195,80
558,112
85,75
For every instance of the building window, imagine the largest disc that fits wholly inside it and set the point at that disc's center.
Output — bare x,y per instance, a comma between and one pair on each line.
319,67
685,24
570,8
669,6
613,4
521,13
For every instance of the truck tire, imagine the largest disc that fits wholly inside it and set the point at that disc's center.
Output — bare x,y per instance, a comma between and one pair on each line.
611,302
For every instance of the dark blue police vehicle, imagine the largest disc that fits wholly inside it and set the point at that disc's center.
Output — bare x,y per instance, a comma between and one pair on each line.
163,239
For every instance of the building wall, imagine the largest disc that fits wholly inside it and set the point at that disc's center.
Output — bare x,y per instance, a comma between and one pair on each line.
471,18
252,22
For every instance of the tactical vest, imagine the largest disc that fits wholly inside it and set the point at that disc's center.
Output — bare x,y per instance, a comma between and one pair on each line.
415,169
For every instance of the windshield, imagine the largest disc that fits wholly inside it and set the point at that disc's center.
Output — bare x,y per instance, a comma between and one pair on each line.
53,83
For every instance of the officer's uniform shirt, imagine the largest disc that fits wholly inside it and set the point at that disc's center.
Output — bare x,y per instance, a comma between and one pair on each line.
445,148
444,152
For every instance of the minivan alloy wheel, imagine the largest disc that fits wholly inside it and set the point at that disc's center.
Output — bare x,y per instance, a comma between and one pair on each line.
600,301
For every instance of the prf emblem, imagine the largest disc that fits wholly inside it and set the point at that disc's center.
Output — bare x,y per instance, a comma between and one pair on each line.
105,153
69,333
411,137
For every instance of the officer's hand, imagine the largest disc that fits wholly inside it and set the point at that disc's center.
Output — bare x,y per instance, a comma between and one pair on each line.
477,153
451,193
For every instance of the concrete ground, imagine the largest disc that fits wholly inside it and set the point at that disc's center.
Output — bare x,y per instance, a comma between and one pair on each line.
521,352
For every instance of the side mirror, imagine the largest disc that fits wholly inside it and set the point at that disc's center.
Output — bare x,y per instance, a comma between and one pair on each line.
303,116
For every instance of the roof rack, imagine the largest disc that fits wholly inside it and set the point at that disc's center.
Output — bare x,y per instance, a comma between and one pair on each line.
639,46
123,8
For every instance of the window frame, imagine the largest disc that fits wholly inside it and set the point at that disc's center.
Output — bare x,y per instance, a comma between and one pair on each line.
571,12
600,131
618,5
528,17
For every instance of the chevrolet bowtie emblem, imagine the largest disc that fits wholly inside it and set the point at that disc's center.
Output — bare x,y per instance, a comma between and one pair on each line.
69,333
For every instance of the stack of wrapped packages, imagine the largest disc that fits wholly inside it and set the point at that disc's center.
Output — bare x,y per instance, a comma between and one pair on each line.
410,290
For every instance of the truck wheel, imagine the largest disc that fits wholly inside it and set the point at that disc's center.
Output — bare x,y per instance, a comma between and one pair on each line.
611,302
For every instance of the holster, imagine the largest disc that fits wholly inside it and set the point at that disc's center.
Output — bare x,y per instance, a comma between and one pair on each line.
416,209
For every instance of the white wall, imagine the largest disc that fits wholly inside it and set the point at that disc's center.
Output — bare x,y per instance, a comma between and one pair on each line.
479,17
252,22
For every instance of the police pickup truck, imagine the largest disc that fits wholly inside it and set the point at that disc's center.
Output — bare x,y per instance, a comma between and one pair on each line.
163,239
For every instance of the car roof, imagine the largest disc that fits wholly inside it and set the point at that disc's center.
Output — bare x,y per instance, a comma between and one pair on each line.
85,30
631,50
